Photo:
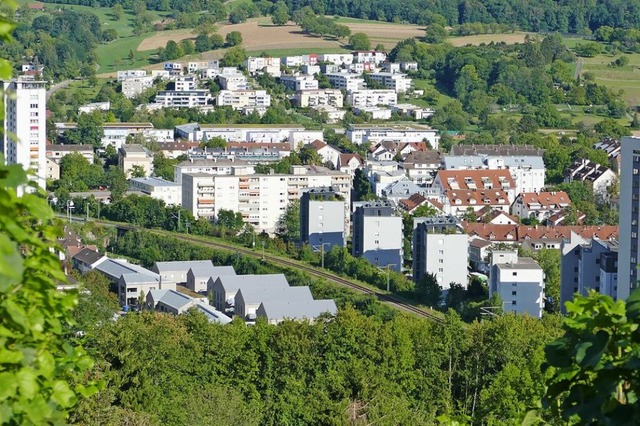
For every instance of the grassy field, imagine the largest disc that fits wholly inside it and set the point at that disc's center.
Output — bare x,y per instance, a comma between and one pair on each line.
626,78
114,56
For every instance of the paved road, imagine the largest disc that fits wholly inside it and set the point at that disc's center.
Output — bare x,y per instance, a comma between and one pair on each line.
57,86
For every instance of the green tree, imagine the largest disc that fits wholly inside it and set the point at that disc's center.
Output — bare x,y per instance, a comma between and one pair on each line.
215,142
77,174
117,181
117,11
187,47
234,38
137,171
435,33
238,15
288,226
203,43
360,41
362,187
234,57
429,291
88,130
230,219
280,14
172,50
217,41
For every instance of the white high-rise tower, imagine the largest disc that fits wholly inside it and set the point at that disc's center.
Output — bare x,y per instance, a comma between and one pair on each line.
24,139
628,258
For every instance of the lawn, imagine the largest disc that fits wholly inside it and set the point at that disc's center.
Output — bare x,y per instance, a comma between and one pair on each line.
114,56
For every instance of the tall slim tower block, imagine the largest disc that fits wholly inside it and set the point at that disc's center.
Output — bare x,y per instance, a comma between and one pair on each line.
377,235
24,138
629,217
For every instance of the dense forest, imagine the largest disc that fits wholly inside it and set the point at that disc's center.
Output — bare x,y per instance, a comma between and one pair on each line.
547,15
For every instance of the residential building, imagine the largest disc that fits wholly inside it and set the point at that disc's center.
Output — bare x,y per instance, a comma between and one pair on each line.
94,106
116,134
375,113
336,58
519,281
421,166
613,148
176,303
588,264
277,311
133,86
629,217
57,152
373,56
399,83
134,287
521,233
249,298
125,74
345,81
24,135
540,205
328,153
133,155
174,68
160,189
233,81
319,97
299,82
413,111
186,83
52,169
159,135
87,259
183,99
323,223
225,288
215,167
175,272
239,99
349,163
480,255
332,114
601,178
363,133
377,235
193,67
257,65
440,249
400,189
372,98
200,274
298,61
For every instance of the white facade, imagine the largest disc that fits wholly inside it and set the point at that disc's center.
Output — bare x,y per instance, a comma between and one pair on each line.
399,83
370,56
183,99
193,67
133,86
320,97
135,155
160,189
299,82
344,81
123,75
629,217
359,134
336,58
519,282
239,99
233,81
372,98
186,83
24,139
375,112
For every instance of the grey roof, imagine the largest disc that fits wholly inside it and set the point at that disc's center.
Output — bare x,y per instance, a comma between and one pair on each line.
140,278
455,161
523,263
232,283
402,188
115,269
133,148
155,181
175,299
277,310
202,270
188,128
212,314
180,265
253,294
88,256
517,150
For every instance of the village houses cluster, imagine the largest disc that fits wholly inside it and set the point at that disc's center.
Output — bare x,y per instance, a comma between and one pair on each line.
486,200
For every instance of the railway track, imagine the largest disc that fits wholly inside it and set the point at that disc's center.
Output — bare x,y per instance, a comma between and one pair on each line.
386,298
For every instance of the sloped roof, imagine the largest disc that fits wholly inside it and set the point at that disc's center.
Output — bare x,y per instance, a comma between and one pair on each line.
413,202
181,265
422,157
212,314
517,150
279,310
204,270
232,283
88,256
558,199
482,179
317,145
253,294
468,197
345,158
522,232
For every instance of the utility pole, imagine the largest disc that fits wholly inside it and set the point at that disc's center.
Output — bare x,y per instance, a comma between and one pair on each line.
388,276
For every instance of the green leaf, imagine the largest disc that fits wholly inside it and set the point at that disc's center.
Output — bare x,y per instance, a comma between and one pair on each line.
11,264
8,386
62,394
598,344
633,305
10,357
27,382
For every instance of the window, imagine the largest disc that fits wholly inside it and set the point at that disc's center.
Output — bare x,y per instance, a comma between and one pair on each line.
441,252
376,242
515,274
440,260
514,293
440,270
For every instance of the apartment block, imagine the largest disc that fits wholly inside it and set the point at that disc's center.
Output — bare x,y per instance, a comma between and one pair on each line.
186,83
440,248
600,177
399,83
373,56
317,98
133,86
377,235
336,58
233,81
299,82
160,189
345,81
239,99
212,167
125,74
193,67
269,65
519,281
135,155
363,133
540,205
323,218
24,136
372,98
183,99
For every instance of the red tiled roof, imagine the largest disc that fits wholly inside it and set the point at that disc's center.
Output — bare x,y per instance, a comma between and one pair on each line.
558,199
345,158
522,232
463,179
469,197
317,144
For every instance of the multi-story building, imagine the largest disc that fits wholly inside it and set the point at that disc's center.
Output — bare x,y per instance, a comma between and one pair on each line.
601,178
540,205
57,152
323,218
369,56
299,82
233,81
133,86
363,133
116,134
629,217
186,83
377,235
193,67
125,74
133,155
346,81
399,83
174,68
519,281
441,249
372,98
160,189
94,106
258,64
319,97
24,136
183,99
588,264
336,58
239,99
421,166
613,149
298,61
217,167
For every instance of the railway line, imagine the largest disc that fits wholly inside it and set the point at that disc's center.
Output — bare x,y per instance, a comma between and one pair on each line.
386,298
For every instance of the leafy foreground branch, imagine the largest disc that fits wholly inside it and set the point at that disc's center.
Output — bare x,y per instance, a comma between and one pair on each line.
40,371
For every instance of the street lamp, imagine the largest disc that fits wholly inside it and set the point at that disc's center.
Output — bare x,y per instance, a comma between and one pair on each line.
320,248
70,207
388,277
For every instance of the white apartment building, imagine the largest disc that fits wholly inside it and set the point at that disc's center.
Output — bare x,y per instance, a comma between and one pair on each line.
159,135
344,81
160,189
116,133
183,99
125,74
374,112
372,98
359,134
212,167
25,114
518,281
174,68
193,67
233,81
133,86
298,61
255,65
161,74
399,83
320,97
94,106
369,56
299,82
377,235
629,217
336,58
239,99
186,83
441,249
